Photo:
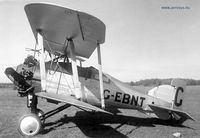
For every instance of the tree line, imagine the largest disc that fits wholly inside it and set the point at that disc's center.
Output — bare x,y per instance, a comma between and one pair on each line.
156,82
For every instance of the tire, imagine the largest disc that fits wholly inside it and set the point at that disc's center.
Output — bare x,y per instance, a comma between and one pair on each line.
29,125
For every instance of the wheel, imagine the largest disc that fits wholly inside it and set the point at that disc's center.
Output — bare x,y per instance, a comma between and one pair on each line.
29,125
40,114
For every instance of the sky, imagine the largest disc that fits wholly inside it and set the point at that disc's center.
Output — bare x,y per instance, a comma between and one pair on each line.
143,40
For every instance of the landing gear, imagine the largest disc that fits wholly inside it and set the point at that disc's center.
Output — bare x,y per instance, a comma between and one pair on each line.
29,125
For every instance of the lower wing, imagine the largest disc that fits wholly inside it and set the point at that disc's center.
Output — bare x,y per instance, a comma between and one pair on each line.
70,100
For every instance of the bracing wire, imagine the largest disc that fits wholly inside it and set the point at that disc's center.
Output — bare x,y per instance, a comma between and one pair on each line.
56,59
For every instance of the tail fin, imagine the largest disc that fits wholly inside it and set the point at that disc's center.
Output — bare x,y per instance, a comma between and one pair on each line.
180,89
174,94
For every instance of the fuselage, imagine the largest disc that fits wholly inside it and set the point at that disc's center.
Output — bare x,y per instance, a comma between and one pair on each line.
117,95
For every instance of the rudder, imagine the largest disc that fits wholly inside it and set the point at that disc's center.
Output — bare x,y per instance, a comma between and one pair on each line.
180,89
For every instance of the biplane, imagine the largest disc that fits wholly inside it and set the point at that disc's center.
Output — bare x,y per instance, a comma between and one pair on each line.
65,37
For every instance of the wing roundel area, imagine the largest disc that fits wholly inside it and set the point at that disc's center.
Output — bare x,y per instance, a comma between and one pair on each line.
59,23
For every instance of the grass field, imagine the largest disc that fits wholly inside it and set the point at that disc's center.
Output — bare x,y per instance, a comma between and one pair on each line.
74,122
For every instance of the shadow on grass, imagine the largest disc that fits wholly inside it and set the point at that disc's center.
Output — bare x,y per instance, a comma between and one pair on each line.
98,125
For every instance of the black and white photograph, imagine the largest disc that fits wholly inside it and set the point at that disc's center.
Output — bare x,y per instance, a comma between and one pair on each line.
100,68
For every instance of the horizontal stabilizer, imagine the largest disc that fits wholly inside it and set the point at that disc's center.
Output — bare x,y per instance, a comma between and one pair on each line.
182,114
70,100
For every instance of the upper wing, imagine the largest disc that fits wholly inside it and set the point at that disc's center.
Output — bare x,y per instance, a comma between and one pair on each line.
58,23
70,100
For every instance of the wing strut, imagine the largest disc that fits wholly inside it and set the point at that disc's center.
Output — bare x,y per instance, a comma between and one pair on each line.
42,61
100,76
77,90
